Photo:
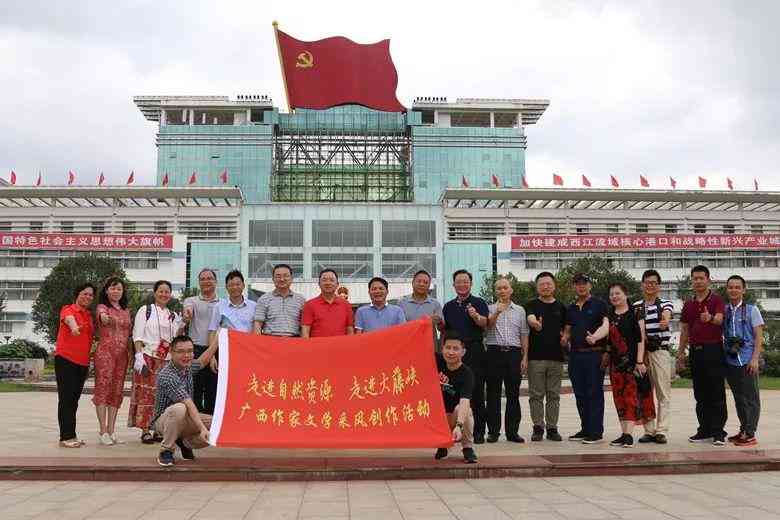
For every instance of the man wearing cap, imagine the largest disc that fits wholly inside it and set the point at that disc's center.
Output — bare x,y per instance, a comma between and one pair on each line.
586,326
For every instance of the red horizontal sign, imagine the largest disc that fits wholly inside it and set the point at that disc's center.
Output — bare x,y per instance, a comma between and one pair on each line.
85,241
698,241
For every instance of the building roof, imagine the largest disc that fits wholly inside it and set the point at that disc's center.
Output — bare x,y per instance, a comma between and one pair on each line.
150,106
530,109
611,199
123,196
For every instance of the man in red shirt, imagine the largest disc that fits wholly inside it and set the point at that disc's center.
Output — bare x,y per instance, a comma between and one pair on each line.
700,327
327,314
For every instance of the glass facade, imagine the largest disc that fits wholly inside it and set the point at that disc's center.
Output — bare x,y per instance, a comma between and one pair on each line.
408,233
348,266
276,233
652,259
342,233
261,265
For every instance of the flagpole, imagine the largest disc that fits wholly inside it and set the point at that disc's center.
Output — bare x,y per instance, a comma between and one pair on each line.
281,64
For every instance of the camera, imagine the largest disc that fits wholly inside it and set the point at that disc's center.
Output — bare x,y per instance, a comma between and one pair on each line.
733,344
653,343
448,389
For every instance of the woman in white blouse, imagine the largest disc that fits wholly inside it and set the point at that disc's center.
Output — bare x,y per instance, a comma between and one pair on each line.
154,328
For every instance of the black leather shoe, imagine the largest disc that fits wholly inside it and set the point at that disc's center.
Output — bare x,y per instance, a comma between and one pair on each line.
469,456
479,439
441,453
515,438
186,451
644,439
538,434
492,437
553,435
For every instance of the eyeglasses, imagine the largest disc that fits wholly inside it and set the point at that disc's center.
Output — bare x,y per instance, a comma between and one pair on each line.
650,282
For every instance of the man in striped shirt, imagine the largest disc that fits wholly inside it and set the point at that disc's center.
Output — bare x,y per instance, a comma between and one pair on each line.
657,314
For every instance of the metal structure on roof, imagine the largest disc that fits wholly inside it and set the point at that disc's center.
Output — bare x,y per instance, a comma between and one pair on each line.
118,196
614,199
530,109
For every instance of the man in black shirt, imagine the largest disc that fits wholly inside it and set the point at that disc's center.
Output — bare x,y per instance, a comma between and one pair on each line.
457,386
468,316
543,360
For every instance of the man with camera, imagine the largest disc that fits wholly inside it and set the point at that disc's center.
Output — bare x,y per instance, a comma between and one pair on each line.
657,313
743,329
701,327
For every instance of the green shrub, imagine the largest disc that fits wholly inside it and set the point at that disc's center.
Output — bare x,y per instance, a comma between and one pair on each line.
23,348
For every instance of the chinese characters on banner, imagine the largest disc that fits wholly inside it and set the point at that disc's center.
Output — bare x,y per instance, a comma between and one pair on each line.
85,241
375,390
699,241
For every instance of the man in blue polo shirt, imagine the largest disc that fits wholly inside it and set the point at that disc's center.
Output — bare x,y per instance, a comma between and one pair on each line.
586,326
379,314
234,312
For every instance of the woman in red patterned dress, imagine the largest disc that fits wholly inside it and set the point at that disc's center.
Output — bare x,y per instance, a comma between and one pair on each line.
633,401
111,356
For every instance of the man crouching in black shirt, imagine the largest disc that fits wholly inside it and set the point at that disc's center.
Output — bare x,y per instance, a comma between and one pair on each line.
457,384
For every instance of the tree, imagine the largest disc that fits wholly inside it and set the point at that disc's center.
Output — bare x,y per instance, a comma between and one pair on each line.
57,289
522,292
137,297
602,273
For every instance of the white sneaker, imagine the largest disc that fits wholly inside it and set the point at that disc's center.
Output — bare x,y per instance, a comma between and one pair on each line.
116,439
106,440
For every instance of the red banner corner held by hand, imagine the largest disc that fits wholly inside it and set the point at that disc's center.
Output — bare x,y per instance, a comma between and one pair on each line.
375,390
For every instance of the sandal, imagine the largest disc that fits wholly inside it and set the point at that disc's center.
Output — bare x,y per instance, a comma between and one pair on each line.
147,438
71,443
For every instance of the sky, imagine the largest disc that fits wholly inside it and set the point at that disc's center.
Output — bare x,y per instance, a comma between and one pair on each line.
659,88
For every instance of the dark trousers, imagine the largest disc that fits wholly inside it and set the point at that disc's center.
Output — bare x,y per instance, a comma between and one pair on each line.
587,381
503,367
744,386
70,383
708,368
475,360
204,386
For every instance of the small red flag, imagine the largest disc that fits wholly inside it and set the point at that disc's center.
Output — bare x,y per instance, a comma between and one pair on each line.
337,71
13,177
165,180
495,181
729,183
131,179
755,183
702,182
464,182
224,176
40,180
614,181
673,182
585,182
525,182
71,177
101,179
643,181
557,180
192,178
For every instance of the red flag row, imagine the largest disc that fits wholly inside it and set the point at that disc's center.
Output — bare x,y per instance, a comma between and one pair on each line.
131,178
557,180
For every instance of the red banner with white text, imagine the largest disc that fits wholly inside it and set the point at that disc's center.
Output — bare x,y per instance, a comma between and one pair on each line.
85,241
375,390
697,241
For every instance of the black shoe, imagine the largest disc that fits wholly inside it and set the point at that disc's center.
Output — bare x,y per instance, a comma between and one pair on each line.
619,441
660,438
553,435
700,437
479,439
469,456
578,437
719,440
646,438
515,438
538,434
441,453
593,439
628,441
165,458
186,451
492,437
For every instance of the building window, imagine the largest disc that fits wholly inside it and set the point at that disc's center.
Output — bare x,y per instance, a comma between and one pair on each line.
408,233
36,227
261,265
161,228
66,226
640,228
342,233
670,228
504,119
471,119
276,233
348,266
613,228
757,229
700,228
521,228
581,229
5,226
128,227
553,228
405,265
98,227
256,115
728,229
428,117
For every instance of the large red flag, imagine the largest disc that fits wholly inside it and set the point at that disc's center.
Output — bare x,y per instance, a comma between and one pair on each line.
337,71
729,183
71,177
585,181
702,182
614,181
643,181
557,179
673,182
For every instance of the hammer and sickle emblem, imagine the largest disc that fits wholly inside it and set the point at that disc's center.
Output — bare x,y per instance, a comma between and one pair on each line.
305,60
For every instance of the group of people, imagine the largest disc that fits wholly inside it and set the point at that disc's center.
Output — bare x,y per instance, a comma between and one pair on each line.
482,349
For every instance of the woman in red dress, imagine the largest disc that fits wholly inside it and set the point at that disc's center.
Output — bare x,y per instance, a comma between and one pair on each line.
111,356
633,401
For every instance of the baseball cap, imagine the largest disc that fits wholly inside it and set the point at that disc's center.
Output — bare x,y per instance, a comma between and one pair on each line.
581,278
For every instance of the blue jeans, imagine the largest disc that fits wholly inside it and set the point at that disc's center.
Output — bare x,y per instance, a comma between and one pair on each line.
587,381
